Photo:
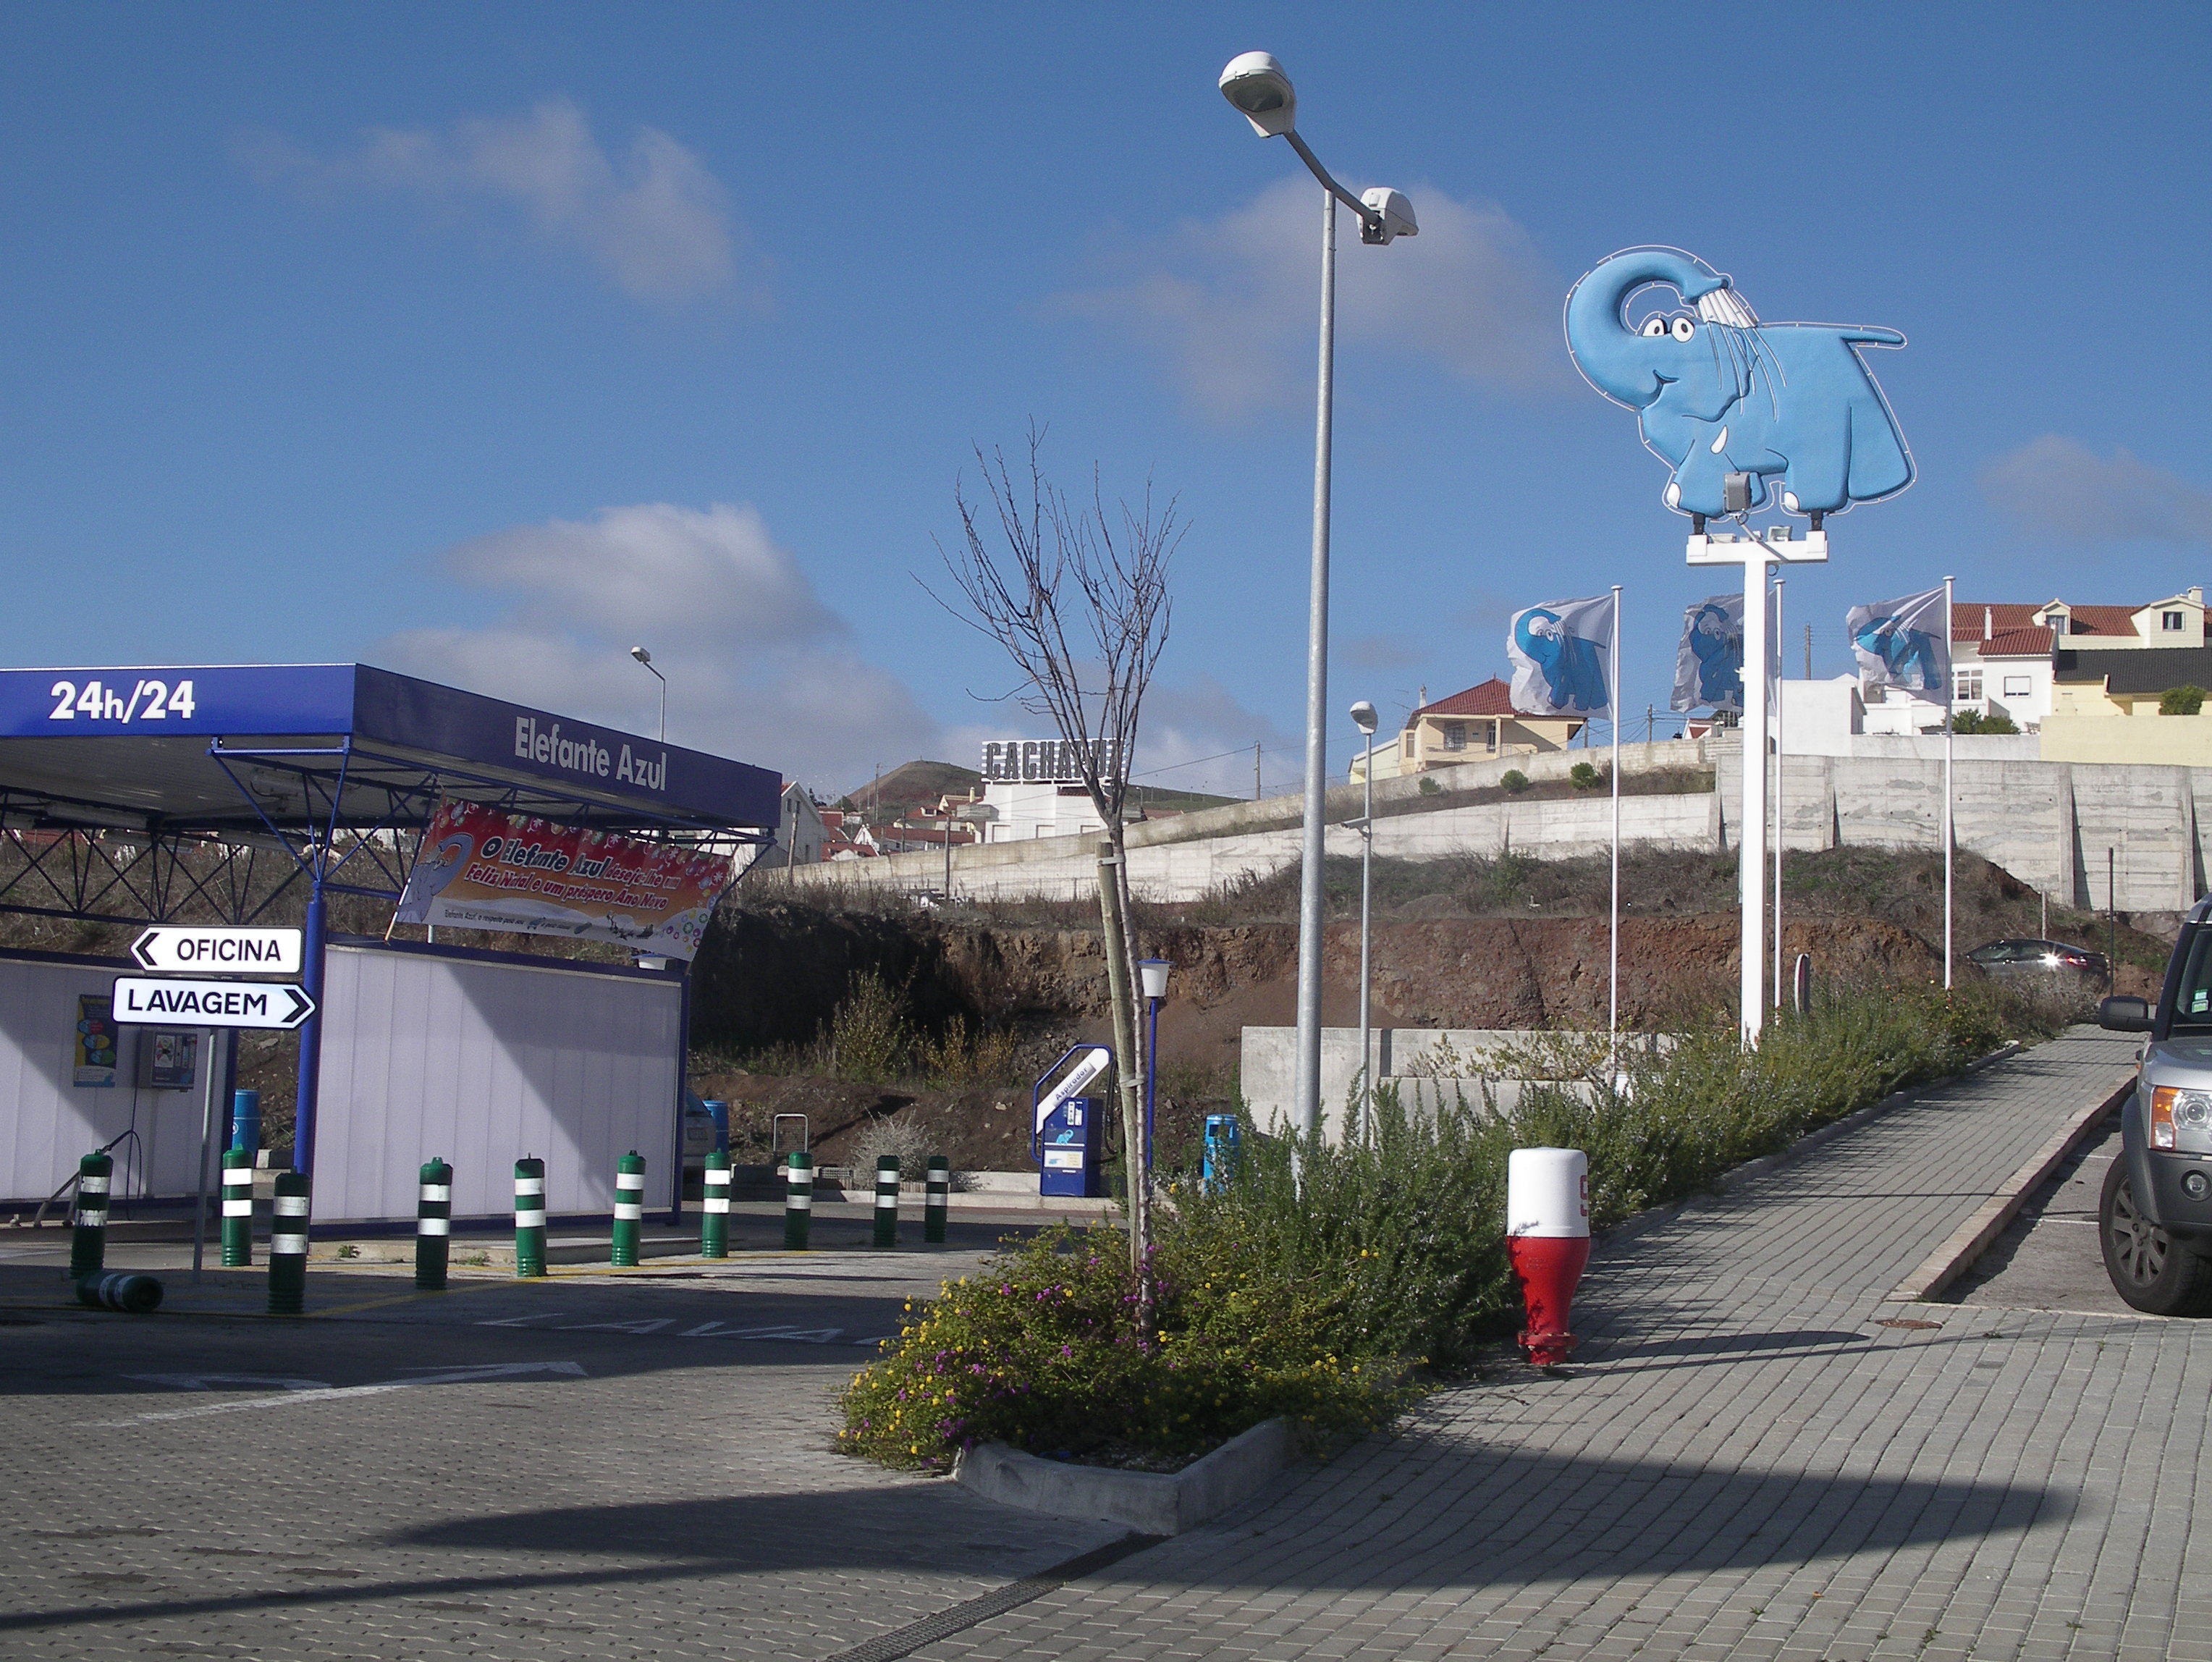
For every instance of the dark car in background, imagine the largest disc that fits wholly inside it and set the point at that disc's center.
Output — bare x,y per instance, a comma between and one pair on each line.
2010,960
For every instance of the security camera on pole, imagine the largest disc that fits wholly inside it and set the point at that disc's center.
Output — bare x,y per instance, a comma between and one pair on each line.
1746,415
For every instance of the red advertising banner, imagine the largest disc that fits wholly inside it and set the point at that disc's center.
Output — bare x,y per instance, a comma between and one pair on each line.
483,869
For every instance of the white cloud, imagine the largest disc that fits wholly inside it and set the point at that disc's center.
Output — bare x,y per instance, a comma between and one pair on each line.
657,224
757,667
1229,304
2058,487
1196,736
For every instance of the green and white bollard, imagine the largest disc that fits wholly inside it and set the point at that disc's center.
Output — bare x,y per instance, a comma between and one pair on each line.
288,1247
887,1182
237,1209
88,1240
714,1208
798,1201
433,1226
529,1217
630,1209
937,1199
134,1294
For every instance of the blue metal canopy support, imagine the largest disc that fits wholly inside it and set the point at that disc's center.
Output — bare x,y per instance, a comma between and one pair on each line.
411,790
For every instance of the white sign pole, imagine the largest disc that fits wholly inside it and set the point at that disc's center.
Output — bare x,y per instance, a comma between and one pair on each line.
1755,554
1612,998
1750,829
1781,842
1950,854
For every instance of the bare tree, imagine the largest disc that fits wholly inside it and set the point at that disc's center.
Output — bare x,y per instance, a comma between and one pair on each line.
1078,597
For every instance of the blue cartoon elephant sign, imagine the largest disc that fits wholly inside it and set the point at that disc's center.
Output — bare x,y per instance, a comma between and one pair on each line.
1792,405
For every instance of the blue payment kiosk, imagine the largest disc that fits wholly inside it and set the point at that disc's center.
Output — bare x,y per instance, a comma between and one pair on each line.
1066,1129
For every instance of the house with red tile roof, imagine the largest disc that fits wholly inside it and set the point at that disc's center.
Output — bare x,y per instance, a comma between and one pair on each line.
2002,653
1477,725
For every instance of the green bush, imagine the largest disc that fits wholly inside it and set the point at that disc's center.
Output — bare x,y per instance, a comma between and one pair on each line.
1041,1350
2181,700
1583,776
1321,1277
1514,780
868,1034
1973,721
1429,786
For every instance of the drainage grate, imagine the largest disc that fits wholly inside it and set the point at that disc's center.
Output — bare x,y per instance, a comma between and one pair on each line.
904,1641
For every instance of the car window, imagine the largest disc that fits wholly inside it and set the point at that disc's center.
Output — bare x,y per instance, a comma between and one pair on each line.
2192,994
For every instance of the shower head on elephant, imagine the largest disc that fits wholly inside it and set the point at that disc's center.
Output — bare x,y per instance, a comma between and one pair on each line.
1717,392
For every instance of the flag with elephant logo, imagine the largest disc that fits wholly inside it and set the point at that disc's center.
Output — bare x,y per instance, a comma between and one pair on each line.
1709,663
1560,652
1904,644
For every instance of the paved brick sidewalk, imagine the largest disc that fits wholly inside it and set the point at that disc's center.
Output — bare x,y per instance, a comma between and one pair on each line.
597,1467
1744,1462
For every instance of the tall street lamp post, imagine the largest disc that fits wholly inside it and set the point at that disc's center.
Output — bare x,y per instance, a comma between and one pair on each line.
1155,973
1364,718
646,657
1255,83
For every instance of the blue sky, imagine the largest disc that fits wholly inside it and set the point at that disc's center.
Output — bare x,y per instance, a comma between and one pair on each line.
483,341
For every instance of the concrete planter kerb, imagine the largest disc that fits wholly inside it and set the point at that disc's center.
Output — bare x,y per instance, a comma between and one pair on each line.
1150,1502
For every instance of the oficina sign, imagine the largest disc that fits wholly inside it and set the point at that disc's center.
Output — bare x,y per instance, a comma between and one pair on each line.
1791,404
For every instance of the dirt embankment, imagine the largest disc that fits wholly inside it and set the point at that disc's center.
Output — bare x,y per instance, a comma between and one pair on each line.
774,979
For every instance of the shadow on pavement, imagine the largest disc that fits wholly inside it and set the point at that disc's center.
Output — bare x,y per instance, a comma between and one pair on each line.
907,1526
1719,1347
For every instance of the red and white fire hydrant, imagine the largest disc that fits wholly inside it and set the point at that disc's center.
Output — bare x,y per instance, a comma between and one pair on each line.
1548,1240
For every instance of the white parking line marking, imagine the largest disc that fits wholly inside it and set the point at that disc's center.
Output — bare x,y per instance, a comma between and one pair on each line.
326,1393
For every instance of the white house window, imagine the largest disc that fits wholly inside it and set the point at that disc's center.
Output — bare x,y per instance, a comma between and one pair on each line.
2056,622
2170,621
1409,747
1454,735
2019,686
1967,688
1490,736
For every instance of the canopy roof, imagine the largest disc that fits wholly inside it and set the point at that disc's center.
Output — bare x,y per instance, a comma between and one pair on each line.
303,747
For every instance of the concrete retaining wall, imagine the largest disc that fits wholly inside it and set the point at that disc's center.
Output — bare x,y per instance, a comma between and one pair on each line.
2048,823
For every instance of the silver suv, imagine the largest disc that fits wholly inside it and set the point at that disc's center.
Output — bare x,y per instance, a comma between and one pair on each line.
2154,1217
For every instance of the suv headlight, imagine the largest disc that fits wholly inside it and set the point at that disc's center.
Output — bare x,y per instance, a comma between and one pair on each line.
2179,1119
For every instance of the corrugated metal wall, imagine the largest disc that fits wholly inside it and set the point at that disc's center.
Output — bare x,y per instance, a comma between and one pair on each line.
483,1063
46,1122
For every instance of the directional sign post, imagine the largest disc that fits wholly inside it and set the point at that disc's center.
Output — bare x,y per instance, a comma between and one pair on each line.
142,998
167,950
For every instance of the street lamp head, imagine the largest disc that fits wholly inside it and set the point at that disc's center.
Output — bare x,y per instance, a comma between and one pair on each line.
1388,217
640,655
1255,84
1155,973
1363,717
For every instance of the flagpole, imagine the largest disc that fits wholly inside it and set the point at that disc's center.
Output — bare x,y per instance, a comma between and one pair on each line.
1778,792
1950,698
1613,1016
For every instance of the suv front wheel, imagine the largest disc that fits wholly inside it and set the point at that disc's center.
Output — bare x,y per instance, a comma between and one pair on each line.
2150,1269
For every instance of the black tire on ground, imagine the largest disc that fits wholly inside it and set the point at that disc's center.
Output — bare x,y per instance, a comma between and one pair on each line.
2149,1269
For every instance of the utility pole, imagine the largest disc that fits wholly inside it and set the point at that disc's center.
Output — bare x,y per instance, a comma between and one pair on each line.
1809,652
1256,770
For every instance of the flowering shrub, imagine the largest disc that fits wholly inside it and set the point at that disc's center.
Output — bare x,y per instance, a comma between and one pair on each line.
1315,1282
1043,1352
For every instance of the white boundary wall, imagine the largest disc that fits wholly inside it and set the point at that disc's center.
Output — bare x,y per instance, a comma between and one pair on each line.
482,1064
2047,823
47,1124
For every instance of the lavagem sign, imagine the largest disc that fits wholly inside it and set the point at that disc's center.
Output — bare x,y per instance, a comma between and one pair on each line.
482,870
